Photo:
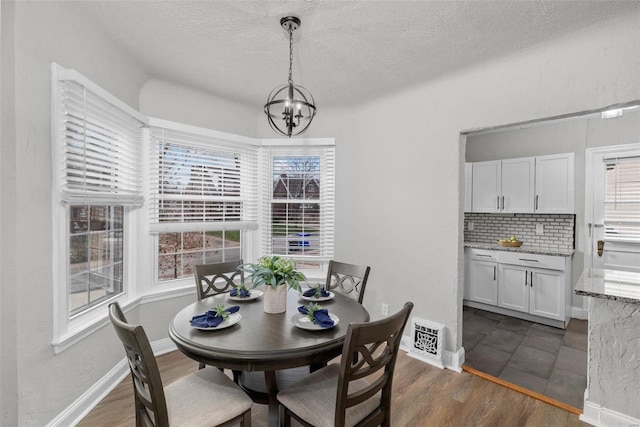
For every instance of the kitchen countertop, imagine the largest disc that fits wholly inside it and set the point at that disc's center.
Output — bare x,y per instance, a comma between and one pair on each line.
610,284
525,248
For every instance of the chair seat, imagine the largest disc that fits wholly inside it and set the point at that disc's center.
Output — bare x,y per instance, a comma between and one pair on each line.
206,397
314,398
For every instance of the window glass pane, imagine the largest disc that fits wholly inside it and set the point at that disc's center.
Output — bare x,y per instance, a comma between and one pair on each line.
180,252
96,245
295,228
622,199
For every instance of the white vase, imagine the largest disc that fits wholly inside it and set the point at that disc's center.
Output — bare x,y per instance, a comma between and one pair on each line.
275,299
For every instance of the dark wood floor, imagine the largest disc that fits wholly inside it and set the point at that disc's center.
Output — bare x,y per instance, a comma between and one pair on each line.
423,396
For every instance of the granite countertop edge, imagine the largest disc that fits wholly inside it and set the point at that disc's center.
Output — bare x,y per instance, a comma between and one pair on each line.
591,284
522,249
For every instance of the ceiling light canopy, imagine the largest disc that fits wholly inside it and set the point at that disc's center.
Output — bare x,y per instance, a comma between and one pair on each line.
290,108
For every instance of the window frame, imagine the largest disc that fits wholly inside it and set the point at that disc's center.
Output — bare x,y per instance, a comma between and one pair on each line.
247,235
68,329
140,246
323,147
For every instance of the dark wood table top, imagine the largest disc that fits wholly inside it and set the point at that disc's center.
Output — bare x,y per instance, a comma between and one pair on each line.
262,341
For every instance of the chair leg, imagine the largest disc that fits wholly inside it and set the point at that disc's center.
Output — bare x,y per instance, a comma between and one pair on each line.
201,365
246,419
286,418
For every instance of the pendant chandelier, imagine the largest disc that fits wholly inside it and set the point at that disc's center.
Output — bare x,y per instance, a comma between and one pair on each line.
290,108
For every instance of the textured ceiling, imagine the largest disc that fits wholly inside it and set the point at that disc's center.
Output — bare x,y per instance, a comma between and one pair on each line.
344,51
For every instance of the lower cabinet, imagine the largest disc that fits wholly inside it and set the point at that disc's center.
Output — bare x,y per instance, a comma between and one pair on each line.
483,276
531,286
532,290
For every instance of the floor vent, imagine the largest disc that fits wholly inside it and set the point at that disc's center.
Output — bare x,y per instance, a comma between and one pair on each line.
427,341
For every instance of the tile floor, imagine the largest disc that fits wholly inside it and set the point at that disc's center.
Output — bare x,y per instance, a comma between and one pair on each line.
541,358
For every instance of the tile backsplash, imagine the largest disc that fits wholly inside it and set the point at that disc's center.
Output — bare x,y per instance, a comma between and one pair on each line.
558,229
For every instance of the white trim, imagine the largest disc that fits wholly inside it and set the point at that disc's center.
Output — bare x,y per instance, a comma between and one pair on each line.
61,73
298,142
597,415
452,360
222,136
75,412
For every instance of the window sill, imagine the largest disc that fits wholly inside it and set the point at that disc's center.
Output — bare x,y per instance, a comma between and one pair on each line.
85,326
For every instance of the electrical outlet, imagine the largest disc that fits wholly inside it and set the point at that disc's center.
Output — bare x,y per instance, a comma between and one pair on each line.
470,226
385,309
539,229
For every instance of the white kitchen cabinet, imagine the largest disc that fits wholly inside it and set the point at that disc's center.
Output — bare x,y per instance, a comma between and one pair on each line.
530,286
547,293
481,276
555,187
486,186
482,283
468,182
542,184
514,289
503,186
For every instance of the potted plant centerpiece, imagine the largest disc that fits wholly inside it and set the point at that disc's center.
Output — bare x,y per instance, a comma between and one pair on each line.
276,274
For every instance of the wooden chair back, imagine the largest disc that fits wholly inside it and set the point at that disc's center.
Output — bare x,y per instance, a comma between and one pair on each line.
150,403
224,277
348,279
370,349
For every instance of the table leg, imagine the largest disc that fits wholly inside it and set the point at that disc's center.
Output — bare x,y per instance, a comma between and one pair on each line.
272,391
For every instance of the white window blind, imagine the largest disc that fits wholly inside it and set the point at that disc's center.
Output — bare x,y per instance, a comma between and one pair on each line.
201,183
99,147
298,202
622,199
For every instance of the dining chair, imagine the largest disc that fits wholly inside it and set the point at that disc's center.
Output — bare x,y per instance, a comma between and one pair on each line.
217,278
349,279
206,397
343,394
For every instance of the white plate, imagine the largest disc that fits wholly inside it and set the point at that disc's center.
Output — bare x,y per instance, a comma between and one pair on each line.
230,321
302,321
253,294
331,295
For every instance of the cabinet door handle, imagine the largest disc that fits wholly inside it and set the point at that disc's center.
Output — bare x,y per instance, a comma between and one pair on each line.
494,273
527,259
536,202
526,277
531,280
498,202
502,202
483,255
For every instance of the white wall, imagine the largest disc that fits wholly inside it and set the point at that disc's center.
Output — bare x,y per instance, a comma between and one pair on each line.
575,135
407,222
169,101
398,190
41,384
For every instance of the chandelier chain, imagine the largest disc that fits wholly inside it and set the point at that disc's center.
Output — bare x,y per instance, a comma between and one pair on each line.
290,53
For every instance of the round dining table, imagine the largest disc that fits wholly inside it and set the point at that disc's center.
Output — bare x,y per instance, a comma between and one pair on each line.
265,342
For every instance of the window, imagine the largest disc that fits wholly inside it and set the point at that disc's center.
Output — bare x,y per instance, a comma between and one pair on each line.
95,255
298,193
622,199
204,195
97,146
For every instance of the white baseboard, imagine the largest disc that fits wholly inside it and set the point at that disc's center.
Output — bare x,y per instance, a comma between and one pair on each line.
596,415
75,412
451,360
579,313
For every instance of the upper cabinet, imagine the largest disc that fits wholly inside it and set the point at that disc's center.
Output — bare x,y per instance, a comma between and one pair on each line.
555,190
503,186
543,184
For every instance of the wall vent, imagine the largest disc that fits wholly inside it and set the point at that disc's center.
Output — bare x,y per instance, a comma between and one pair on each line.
427,341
